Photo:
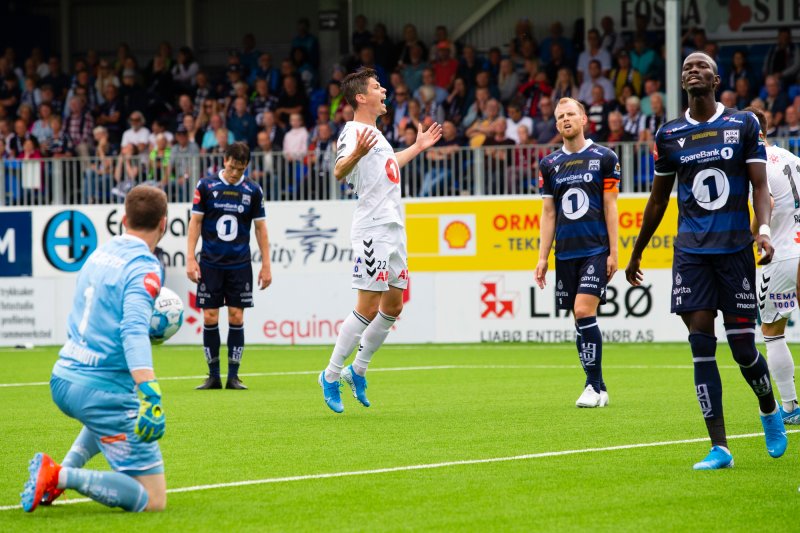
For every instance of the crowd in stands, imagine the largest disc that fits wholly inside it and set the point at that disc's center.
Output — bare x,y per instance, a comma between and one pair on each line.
145,119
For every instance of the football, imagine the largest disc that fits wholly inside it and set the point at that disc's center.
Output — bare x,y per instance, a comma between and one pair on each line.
167,316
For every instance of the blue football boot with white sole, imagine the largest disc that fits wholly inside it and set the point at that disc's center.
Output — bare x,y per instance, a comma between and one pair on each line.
774,433
331,394
716,459
358,384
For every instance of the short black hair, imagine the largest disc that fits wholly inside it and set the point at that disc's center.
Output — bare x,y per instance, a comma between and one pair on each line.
238,151
357,83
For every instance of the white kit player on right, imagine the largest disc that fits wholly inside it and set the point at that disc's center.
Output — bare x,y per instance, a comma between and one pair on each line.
778,282
380,271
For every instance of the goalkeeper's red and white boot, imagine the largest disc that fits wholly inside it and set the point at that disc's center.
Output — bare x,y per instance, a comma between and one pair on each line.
43,480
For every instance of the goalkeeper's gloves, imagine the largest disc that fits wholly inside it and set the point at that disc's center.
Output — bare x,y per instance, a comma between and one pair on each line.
151,423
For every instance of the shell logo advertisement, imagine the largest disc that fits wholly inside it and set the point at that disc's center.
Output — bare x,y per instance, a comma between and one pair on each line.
492,234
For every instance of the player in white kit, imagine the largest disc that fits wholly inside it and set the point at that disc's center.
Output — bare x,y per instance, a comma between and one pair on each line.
777,286
380,271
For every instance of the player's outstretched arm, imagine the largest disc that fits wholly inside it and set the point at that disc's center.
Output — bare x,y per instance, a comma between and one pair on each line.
546,236
425,139
762,206
612,226
262,237
192,268
366,139
653,214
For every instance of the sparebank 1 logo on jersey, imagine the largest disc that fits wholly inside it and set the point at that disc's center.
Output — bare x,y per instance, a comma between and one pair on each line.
496,302
69,238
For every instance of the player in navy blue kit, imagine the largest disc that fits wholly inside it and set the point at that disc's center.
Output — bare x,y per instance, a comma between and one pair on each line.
224,207
716,154
579,186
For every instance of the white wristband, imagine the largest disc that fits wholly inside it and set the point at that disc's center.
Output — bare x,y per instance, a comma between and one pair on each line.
763,229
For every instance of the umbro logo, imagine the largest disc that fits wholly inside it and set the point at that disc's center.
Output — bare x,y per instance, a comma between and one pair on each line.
681,141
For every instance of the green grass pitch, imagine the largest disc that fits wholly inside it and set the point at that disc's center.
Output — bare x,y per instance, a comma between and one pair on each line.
430,405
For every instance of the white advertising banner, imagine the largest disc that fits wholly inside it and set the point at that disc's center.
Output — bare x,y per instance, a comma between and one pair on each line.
29,312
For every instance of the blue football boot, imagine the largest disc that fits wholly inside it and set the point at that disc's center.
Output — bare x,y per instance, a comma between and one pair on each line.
774,433
358,384
331,394
717,458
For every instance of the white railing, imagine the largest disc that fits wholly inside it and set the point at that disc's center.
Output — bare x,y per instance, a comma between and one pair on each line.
498,170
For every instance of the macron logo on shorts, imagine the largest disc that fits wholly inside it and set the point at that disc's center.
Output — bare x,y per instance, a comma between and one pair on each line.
152,284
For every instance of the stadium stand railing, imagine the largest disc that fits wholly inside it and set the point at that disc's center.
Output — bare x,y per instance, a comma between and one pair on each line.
496,170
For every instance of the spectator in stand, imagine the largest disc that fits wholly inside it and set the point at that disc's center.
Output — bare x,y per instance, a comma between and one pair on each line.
137,134
743,94
643,58
469,65
291,100
556,36
527,52
189,124
610,39
783,59
160,87
304,39
159,162
534,89
262,100
455,107
367,60
208,109
79,125
410,39
441,159
445,67
16,141
123,53
132,96
595,77
110,114
185,107
361,35
497,155
776,101
385,125
98,176
184,156
544,128
565,86
624,74
399,103
593,53
558,61
226,88
308,74
652,87
249,55
384,47
651,122
42,69
31,94
322,155
25,113
712,50
728,99
615,132
216,124
693,40
507,81
791,123
203,90
428,81
323,117
157,127
273,130
41,128
264,167
633,116
523,31
739,69
60,144
431,111
105,77
32,172
515,121
414,68
56,78
240,90
185,69
48,97
10,93
483,128
242,124
265,71
127,173
414,117
335,97
295,147
597,112
493,64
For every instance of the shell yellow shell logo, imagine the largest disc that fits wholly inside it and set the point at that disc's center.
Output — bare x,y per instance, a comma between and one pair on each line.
457,234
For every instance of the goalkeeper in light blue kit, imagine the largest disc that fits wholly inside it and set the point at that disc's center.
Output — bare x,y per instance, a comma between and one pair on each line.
105,361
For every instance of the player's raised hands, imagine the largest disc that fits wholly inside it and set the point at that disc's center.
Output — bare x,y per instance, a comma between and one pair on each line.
633,272
765,249
541,270
429,137
366,139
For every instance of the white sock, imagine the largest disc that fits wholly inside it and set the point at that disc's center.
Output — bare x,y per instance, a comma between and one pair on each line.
374,336
349,336
781,366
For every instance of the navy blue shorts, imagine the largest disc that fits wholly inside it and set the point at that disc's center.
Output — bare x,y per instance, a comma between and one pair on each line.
725,282
584,275
219,286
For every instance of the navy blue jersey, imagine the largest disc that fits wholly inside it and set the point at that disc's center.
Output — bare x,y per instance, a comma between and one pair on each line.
710,160
576,182
227,213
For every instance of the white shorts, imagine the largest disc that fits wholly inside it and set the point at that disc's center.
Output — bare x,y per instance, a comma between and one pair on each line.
381,259
777,290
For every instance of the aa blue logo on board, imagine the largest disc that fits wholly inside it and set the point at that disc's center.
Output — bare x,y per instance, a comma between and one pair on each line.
69,238
16,250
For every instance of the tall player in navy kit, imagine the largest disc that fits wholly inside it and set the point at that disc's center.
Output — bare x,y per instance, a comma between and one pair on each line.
580,185
224,207
715,153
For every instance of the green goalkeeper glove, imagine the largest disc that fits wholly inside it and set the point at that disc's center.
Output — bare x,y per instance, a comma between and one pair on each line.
151,423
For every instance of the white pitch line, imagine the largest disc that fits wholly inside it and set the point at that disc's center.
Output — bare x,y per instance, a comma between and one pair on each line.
429,466
412,369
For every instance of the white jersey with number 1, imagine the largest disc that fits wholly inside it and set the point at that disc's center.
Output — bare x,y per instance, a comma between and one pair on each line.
783,176
375,179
